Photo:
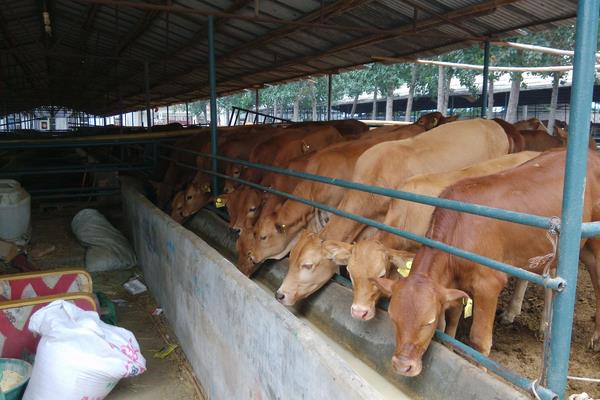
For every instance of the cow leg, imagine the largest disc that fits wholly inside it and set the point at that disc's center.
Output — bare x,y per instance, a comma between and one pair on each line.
453,314
590,256
484,312
516,303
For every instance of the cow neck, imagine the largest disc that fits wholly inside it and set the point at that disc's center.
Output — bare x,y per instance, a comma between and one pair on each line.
435,265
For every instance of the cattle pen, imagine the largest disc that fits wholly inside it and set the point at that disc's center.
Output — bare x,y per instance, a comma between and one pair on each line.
236,340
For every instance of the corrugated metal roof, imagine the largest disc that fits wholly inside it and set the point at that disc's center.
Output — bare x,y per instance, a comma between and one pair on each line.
94,59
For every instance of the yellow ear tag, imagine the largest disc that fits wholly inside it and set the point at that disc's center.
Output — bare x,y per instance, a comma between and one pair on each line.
219,203
435,122
305,147
206,189
405,269
468,312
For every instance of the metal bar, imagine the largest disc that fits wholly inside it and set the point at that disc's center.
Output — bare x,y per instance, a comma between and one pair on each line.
74,169
590,229
244,17
233,110
187,114
551,283
329,82
492,212
167,114
469,352
556,360
68,195
486,76
147,88
212,80
256,101
71,189
64,143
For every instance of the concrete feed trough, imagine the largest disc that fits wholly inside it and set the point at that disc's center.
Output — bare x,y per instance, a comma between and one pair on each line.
243,344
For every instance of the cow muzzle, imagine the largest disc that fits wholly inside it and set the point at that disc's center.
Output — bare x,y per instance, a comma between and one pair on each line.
406,366
361,312
284,298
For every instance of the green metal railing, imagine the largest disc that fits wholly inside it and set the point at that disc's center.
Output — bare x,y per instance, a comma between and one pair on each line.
570,227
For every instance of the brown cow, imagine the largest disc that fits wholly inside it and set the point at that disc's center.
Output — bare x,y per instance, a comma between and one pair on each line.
531,124
540,140
281,147
391,164
438,281
268,239
385,252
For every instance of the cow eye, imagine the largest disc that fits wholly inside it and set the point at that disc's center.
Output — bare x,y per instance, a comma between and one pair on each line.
189,197
252,209
263,238
308,266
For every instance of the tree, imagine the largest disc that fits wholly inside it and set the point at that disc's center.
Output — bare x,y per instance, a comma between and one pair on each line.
414,71
561,38
353,84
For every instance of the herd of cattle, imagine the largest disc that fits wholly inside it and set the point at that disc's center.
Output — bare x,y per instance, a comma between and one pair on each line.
518,167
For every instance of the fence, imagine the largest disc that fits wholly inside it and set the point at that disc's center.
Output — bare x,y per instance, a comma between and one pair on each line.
569,228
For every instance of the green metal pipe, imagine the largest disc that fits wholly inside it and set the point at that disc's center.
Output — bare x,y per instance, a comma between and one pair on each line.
212,80
556,360
492,212
545,281
486,75
520,381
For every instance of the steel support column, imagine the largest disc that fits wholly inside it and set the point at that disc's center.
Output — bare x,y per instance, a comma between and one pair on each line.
187,114
167,114
212,80
329,84
256,100
556,360
486,76
147,86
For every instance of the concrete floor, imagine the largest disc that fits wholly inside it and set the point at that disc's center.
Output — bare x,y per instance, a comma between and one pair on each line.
164,379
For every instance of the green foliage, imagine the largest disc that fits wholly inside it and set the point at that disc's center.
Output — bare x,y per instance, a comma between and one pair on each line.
387,78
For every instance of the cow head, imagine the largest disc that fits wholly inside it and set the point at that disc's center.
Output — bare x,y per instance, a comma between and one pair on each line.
366,260
235,171
417,303
274,236
244,207
310,267
197,195
243,245
430,120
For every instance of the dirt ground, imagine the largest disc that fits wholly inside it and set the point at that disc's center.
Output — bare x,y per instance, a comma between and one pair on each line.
517,347
170,378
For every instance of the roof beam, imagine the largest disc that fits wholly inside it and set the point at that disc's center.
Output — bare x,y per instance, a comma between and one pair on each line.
9,40
321,14
410,29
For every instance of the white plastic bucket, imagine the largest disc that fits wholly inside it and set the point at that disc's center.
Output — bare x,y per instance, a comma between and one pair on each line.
15,211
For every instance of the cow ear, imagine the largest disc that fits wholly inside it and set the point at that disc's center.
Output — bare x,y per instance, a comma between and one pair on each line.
402,260
452,295
385,285
451,119
338,252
